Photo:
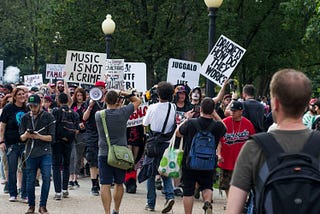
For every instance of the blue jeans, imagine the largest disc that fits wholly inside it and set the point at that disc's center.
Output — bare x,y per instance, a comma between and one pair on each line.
43,162
151,190
61,153
14,153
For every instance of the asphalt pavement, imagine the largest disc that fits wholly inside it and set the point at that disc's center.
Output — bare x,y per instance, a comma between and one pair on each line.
81,201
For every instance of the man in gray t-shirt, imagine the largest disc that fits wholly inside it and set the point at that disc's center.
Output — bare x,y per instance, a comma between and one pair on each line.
116,118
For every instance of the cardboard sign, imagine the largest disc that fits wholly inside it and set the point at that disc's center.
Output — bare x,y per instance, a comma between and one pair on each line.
222,60
135,76
137,116
1,71
34,80
85,67
183,72
114,74
55,71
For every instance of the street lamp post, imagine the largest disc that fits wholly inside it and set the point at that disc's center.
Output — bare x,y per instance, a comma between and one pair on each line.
108,26
213,6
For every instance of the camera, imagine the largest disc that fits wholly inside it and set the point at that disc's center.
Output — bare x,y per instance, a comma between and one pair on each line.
233,85
30,131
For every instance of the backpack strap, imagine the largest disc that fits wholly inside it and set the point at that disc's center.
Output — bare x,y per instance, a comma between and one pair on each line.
196,124
268,144
312,147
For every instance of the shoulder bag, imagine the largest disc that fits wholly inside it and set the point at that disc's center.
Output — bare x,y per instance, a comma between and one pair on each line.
118,156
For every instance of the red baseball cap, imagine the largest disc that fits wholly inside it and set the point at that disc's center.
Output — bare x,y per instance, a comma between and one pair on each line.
100,84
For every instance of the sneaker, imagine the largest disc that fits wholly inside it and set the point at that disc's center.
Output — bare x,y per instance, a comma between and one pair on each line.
57,196
168,206
178,192
158,184
95,191
76,184
148,208
24,200
13,199
114,212
71,185
6,189
65,194
207,207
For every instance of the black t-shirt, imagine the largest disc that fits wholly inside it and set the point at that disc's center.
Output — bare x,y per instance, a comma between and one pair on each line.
11,116
254,111
188,131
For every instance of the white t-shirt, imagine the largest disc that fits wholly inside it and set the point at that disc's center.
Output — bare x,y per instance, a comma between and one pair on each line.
156,115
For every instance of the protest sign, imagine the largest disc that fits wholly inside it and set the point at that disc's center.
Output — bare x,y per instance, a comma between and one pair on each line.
54,71
85,67
137,116
222,60
183,72
114,74
1,71
135,76
33,80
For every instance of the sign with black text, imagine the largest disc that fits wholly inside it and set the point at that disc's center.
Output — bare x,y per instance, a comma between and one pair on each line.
55,71
135,76
222,60
114,74
85,67
183,72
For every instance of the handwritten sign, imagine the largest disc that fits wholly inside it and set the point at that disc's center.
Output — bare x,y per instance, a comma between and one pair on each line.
135,76
114,74
137,116
222,60
34,80
55,71
85,67
183,72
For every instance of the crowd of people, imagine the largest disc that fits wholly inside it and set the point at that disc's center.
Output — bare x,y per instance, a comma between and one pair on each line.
53,130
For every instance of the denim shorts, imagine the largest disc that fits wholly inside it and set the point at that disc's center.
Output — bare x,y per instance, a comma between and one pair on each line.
109,174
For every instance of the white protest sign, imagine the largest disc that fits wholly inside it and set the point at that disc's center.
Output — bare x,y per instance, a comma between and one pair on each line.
135,76
183,72
85,67
33,80
222,60
137,116
114,74
55,71
1,71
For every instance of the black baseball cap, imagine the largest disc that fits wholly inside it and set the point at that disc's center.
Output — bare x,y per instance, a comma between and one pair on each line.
236,105
34,99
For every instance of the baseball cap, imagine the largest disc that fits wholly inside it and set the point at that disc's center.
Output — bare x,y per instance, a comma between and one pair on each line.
34,99
236,105
48,98
34,89
181,89
100,84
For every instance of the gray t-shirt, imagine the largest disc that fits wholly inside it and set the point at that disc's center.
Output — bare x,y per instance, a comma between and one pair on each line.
117,127
251,158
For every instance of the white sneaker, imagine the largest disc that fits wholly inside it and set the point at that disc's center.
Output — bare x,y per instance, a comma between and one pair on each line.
13,199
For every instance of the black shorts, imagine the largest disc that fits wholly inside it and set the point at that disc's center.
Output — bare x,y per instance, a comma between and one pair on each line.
92,156
109,174
191,177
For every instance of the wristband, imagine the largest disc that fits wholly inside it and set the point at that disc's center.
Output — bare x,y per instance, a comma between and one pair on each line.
1,142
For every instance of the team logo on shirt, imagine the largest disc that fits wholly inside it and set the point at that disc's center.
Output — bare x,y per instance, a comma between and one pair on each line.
238,137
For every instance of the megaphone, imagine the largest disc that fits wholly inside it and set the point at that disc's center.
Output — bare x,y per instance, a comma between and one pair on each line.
95,93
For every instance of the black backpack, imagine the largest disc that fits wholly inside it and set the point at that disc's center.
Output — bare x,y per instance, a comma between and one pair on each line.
66,125
288,182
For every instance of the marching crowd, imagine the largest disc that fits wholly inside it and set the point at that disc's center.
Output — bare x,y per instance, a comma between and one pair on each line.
52,131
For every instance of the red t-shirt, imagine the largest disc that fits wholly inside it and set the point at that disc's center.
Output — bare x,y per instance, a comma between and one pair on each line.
231,143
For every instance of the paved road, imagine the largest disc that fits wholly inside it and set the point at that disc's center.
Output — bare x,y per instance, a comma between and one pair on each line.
80,201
